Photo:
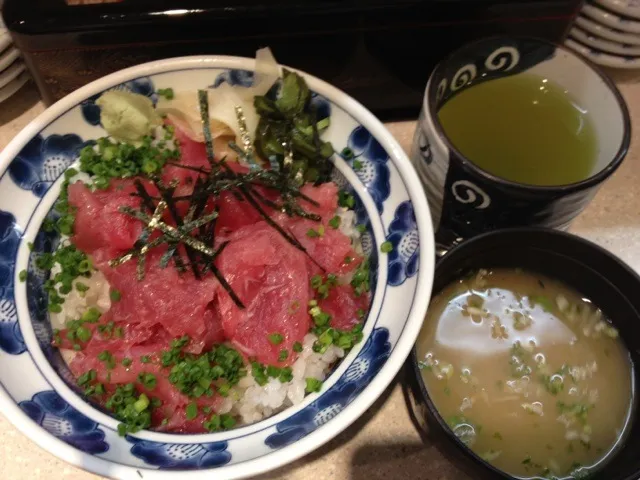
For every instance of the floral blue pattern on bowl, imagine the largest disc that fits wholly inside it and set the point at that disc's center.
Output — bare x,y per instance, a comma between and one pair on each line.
403,235
367,239
43,160
143,86
370,164
358,375
11,340
37,380
243,78
56,416
181,456
321,106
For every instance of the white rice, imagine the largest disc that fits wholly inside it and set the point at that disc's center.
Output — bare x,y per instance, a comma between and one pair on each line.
252,402
76,303
247,400
348,226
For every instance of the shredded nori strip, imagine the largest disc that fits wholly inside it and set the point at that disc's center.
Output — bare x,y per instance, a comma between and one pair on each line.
203,98
172,250
167,194
204,114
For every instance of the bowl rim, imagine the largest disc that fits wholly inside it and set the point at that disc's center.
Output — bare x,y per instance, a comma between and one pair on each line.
381,380
413,362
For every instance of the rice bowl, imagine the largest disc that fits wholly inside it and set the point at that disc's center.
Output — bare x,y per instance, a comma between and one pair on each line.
387,336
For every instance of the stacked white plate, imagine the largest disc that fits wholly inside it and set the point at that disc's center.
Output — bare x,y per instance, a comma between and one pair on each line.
13,72
608,33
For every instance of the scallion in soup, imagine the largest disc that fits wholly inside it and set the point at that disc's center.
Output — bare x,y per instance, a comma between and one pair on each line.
528,373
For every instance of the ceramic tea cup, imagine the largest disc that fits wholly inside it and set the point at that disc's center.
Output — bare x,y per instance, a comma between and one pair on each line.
466,200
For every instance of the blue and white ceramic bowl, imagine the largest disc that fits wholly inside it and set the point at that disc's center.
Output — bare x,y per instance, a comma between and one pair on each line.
34,389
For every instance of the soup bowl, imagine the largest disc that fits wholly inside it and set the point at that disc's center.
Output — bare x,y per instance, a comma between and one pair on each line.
37,391
587,268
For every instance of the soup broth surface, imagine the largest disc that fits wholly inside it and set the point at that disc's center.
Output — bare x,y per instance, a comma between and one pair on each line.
530,375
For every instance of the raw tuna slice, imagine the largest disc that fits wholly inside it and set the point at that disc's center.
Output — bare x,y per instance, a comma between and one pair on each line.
331,250
326,195
192,154
131,340
214,333
237,212
343,305
177,302
99,223
271,278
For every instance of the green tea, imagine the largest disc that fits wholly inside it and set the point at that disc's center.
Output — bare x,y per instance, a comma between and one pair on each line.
522,128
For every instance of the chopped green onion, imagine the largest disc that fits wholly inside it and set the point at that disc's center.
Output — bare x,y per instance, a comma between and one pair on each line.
259,373
544,302
166,93
142,403
360,279
297,347
386,247
227,421
313,385
224,389
311,233
92,315
115,295
346,200
316,281
106,357
22,276
54,308
86,377
148,380
275,338
191,411
214,423
335,222
83,334
347,153
273,371
286,375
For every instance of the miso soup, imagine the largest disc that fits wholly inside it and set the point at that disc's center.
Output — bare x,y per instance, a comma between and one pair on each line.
527,372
